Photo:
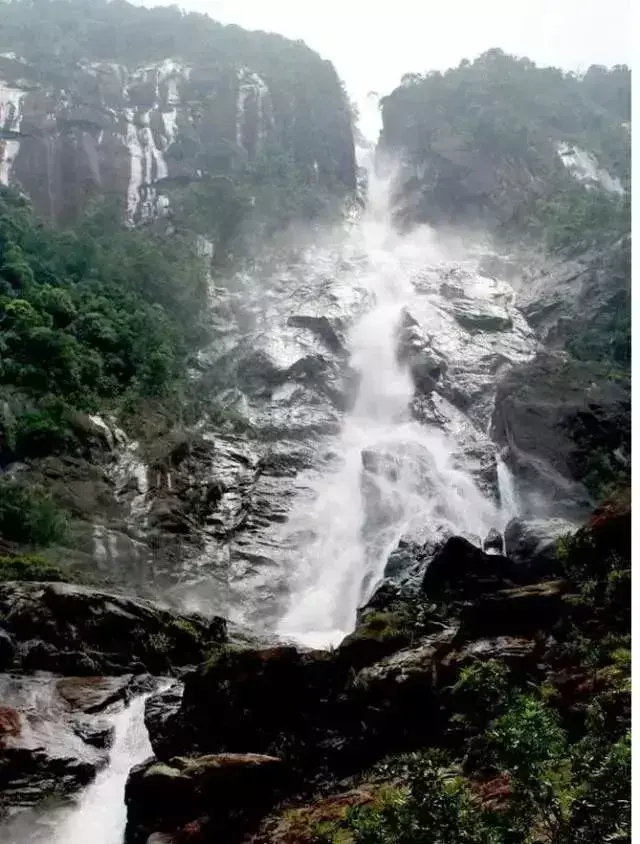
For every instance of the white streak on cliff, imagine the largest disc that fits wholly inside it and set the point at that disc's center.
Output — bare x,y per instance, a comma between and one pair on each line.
10,121
248,83
584,166
135,164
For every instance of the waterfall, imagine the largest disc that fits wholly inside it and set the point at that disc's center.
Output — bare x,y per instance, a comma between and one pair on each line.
507,491
396,477
101,815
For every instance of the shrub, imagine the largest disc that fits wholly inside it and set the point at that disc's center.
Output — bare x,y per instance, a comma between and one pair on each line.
41,432
481,692
29,515
30,567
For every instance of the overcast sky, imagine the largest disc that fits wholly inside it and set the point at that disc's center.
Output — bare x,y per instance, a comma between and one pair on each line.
372,49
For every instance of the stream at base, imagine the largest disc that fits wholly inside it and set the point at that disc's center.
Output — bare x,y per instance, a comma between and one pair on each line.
98,814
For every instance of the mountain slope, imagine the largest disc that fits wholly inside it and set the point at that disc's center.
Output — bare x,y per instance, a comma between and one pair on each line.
499,142
160,108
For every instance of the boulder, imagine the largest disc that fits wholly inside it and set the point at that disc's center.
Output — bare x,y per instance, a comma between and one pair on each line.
493,542
414,351
245,688
160,711
93,694
327,377
329,332
377,635
486,317
224,792
94,731
520,653
43,754
533,545
79,630
461,570
522,611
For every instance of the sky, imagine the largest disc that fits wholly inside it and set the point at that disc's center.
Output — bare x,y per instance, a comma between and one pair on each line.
372,44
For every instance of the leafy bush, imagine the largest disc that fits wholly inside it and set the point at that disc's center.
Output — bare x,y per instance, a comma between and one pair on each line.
29,515
37,433
439,808
549,791
93,314
30,567
481,692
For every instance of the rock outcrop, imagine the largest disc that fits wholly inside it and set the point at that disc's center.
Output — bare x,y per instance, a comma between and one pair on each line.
318,717
88,108
56,733
78,630
566,429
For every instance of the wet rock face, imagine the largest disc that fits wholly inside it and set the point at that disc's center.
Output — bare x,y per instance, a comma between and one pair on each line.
563,425
74,629
386,689
141,129
229,789
462,569
568,298
522,611
534,543
54,734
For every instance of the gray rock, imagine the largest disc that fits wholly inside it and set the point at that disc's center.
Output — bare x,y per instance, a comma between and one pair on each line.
7,650
43,755
533,542
93,694
94,731
493,542
78,630
482,318
562,423
329,331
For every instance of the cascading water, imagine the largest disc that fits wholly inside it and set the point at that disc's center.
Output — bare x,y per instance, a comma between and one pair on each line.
396,476
99,814
507,490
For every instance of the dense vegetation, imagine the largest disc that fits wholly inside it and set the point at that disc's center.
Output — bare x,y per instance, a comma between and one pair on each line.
531,758
92,313
487,134
96,318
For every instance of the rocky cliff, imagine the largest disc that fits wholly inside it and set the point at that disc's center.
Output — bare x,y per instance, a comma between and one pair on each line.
538,162
502,144
384,438
167,112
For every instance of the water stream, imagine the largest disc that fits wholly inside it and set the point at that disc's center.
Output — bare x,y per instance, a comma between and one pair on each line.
98,813
393,473
396,477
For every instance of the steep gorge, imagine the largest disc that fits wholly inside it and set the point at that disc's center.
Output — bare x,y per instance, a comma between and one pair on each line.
386,430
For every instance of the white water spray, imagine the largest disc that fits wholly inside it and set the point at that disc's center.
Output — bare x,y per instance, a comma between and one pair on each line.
396,477
101,815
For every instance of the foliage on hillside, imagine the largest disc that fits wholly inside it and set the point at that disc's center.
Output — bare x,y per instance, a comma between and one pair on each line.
486,135
540,759
89,314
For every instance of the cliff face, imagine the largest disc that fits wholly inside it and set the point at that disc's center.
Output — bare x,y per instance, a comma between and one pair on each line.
140,104
539,160
495,141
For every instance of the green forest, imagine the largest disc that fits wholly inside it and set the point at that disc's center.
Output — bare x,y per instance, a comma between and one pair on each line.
96,318
499,119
